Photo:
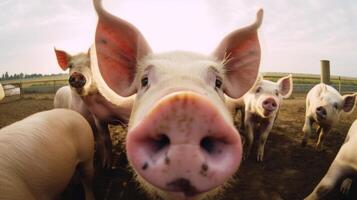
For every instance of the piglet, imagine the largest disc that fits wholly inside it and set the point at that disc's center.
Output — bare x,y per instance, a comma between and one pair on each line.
323,106
83,96
344,165
39,155
259,108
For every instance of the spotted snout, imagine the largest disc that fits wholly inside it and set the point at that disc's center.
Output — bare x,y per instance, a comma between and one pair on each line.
269,105
321,113
77,80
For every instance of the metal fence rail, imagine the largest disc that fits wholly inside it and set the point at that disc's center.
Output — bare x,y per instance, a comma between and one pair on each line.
51,86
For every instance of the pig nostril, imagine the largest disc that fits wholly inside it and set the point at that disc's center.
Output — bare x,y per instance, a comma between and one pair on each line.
161,142
207,144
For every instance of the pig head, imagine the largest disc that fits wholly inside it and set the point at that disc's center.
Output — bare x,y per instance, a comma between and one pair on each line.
265,97
181,140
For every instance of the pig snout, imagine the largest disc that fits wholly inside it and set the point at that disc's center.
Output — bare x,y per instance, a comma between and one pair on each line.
184,145
321,113
77,80
269,105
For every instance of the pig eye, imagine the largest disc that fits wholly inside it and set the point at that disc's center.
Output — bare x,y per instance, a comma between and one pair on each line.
276,93
258,90
144,82
70,65
218,83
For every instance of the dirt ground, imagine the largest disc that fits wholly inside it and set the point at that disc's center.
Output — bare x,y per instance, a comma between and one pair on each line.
289,171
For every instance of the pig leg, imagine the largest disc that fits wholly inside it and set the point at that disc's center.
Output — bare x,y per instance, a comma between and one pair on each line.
264,130
86,170
325,130
336,172
104,144
249,134
307,130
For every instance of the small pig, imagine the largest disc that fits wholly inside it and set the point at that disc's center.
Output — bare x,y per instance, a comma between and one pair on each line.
39,155
82,96
344,165
259,108
2,92
181,141
323,106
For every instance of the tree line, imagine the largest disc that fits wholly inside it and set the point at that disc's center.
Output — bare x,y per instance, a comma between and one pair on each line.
7,76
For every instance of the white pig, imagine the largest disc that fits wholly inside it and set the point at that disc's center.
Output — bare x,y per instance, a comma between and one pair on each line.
181,141
259,110
82,96
2,92
344,165
323,106
39,155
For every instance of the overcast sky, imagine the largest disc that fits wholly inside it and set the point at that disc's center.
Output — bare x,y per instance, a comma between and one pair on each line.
295,35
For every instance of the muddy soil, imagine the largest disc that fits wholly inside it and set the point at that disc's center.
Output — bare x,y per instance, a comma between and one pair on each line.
288,171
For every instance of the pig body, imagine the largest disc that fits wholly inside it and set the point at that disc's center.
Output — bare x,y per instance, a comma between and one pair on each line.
344,165
82,96
324,105
181,141
259,108
2,92
39,155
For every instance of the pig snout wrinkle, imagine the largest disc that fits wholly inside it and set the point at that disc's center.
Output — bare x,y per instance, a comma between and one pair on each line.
77,80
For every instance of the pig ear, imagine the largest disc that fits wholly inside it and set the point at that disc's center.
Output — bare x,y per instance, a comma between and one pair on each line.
286,86
349,101
119,45
240,52
62,58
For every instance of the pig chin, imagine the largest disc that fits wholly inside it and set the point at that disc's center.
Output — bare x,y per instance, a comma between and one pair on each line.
184,146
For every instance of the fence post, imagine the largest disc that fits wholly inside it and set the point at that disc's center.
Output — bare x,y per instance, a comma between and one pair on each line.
21,90
325,71
339,84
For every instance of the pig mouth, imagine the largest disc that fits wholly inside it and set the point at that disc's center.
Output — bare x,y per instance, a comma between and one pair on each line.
268,113
184,186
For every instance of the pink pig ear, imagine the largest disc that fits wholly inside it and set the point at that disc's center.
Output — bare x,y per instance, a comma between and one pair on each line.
119,45
349,102
286,86
62,59
240,51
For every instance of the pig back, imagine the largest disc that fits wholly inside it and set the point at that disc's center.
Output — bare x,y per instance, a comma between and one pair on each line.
39,154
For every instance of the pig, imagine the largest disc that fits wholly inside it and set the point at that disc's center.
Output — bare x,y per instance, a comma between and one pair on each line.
83,96
39,155
2,93
181,141
344,165
259,108
323,107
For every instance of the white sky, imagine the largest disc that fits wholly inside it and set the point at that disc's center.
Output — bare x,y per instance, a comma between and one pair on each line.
295,35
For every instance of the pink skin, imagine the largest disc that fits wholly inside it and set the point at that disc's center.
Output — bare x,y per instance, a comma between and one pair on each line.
202,138
181,140
40,154
85,99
